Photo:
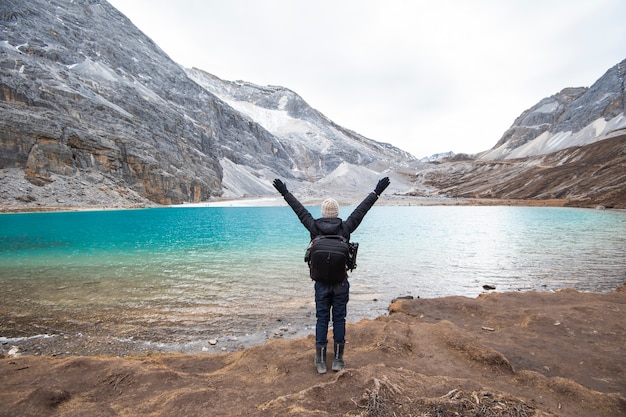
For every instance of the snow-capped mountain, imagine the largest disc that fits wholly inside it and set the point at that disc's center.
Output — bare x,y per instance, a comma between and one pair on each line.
572,117
89,102
568,149
314,145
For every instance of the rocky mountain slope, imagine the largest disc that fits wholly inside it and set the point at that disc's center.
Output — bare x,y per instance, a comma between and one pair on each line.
572,117
569,148
585,176
94,113
315,146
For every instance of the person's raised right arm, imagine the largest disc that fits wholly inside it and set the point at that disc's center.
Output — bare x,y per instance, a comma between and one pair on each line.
354,220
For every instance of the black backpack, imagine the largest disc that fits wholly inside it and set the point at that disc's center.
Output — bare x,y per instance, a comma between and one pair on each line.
330,257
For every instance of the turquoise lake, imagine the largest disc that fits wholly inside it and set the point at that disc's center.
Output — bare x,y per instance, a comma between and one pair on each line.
214,269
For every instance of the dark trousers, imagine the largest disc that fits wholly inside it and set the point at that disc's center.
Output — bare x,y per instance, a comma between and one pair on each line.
331,301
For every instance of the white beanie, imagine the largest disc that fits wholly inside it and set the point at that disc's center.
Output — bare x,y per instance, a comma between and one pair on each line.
330,208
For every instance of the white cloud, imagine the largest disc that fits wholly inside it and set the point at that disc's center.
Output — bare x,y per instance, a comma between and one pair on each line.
425,76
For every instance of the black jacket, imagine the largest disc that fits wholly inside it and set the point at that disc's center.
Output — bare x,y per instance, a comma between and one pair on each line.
331,225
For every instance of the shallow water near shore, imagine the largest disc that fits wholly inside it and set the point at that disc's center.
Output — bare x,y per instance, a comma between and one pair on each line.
173,278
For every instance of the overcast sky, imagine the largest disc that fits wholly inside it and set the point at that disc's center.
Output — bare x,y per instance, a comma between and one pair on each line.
426,76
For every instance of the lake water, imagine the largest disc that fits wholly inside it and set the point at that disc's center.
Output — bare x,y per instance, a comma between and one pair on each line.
235,270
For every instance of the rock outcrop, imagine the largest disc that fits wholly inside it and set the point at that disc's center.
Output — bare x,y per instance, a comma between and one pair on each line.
85,93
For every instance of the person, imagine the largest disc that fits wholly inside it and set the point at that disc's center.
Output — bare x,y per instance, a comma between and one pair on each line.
331,299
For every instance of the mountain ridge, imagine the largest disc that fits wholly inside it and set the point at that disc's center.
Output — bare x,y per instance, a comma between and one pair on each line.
572,117
95,114
88,98
315,145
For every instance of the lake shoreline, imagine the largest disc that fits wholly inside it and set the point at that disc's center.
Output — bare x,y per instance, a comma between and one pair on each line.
349,201
44,331
534,353
110,289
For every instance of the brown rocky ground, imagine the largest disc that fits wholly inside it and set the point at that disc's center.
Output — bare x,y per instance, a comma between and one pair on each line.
502,354
586,176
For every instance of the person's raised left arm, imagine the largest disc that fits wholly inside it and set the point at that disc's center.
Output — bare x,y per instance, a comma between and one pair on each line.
306,218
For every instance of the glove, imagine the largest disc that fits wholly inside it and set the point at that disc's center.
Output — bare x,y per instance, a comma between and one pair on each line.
280,186
381,186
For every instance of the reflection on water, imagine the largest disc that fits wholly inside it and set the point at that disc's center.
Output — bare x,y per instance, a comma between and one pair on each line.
239,266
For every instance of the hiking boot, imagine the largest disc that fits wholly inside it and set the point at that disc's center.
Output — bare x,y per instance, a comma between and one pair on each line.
338,362
320,359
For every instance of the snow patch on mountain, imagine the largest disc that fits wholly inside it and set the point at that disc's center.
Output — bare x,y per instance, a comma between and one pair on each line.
548,142
437,156
281,125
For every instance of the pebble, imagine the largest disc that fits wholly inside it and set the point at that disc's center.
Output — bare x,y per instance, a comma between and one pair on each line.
213,342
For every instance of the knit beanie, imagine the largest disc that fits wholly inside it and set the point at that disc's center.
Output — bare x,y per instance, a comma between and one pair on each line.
330,208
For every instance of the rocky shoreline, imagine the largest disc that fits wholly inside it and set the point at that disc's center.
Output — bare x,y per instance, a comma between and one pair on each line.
57,333
264,201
